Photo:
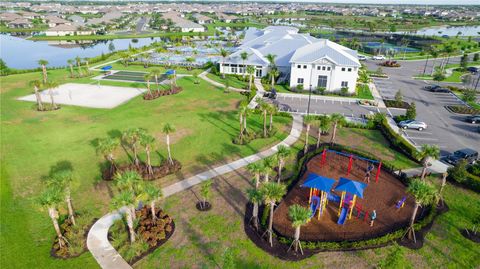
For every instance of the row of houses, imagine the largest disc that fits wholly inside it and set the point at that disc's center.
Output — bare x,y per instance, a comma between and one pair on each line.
303,60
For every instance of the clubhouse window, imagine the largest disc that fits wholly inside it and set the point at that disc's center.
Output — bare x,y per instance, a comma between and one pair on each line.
344,84
343,69
328,68
299,66
318,67
304,67
349,69
300,81
324,68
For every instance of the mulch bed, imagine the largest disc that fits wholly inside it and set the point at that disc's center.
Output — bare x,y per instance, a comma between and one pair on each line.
203,207
395,104
158,93
58,253
470,235
47,109
164,169
461,109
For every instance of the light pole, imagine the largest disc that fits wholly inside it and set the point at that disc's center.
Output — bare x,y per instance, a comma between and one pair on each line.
309,97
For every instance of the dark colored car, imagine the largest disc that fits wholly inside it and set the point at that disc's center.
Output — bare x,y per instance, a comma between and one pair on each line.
436,88
473,119
472,69
469,155
271,95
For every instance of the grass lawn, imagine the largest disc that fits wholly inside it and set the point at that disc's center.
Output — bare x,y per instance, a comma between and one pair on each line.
32,142
233,80
455,77
363,92
141,68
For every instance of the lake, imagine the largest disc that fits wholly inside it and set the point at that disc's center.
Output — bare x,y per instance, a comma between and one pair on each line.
448,30
21,53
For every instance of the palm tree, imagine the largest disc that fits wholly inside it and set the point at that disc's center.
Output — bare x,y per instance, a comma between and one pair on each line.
36,86
264,108
148,142
323,124
405,43
282,153
434,53
70,64
78,60
52,85
337,120
257,169
44,64
167,130
106,147
63,180
130,181
251,72
125,57
146,59
363,77
131,137
224,54
271,59
299,216
449,49
426,154
156,73
273,74
255,196
147,77
272,192
50,199
424,194
272,109
308,119
268,165
244,111
126,199
86,64
205,190
153,194
244,56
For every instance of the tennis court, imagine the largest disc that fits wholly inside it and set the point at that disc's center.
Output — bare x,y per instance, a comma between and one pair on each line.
130,76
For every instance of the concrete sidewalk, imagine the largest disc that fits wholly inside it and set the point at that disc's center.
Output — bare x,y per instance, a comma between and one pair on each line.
97,239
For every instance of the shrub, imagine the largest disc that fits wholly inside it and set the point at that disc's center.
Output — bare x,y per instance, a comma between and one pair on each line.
469,95
344,91
399,98
438,75
474,169
321,90
459,174
476,57
411,113
397,140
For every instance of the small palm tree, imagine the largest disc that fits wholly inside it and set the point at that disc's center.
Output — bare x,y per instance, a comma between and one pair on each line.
167,130
78,60
251,72
147,77
426,154
424,194
130,181
273,74
272,109
257,169
50,199
323,124
244,111
51,85
126,199
70,64
244,56
206,191
148,141
337,121
272,192
36,87
43,64
271,59
264,107
87,64
63,180
299,216
224,54
131,138
282,153
308,119
156,73
268,164
254,196
153,194
106,147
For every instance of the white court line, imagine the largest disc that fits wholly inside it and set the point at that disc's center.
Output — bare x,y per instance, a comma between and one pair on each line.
423,138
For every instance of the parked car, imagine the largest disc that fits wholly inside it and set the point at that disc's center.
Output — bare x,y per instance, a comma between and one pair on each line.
470,155
271,95
473,119
436,88
378,57
472,69
412,124
362,58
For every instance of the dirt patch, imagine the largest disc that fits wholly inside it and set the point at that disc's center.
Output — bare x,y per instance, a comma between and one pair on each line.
201,206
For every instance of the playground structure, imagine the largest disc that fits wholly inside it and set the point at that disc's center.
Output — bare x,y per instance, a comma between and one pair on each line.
341,209
351,158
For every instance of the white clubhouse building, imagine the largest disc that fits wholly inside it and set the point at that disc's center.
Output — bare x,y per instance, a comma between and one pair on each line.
300,58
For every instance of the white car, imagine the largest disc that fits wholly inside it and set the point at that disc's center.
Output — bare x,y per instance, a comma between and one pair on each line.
378,57
362,58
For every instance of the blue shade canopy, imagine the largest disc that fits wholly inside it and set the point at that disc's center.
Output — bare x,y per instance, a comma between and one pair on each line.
170,72
319,182
351,186
105,68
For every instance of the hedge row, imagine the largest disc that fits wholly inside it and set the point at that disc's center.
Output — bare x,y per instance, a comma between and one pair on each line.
398,141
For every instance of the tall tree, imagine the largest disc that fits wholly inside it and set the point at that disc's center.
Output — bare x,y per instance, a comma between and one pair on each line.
264,108
272,110
36,87
308,119
268,165
43,64
70,63
147,77
206,191
86,59
153,194
251,72
337,120
106,147
131,138
167,130
147,141
51,85
271,59
256,168
273,74
63,180
78,60
426,154
434,53
126,199
282,153
299,216
131,181
272,192
255,196
224,54
156,73
244,56
50,199
323,124
424,194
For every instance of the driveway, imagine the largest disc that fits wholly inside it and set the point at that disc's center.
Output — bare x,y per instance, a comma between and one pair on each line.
447,130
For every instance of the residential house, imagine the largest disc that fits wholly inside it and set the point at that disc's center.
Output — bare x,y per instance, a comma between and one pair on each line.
67,30
202,19
20,23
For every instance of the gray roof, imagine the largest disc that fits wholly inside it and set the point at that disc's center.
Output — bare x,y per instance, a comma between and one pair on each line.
327,49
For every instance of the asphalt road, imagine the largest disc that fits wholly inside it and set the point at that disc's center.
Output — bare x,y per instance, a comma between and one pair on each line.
447,130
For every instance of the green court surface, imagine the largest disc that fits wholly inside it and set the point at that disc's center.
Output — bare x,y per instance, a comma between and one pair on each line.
129,76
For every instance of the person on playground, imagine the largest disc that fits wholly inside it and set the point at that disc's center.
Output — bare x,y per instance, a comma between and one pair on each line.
373,216
368,173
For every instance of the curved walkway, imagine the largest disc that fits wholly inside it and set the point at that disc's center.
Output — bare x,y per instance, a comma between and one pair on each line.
97,239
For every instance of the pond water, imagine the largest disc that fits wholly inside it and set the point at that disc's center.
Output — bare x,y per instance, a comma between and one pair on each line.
449,31
21,53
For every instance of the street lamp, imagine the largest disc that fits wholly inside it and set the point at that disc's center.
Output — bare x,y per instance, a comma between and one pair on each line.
309,97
